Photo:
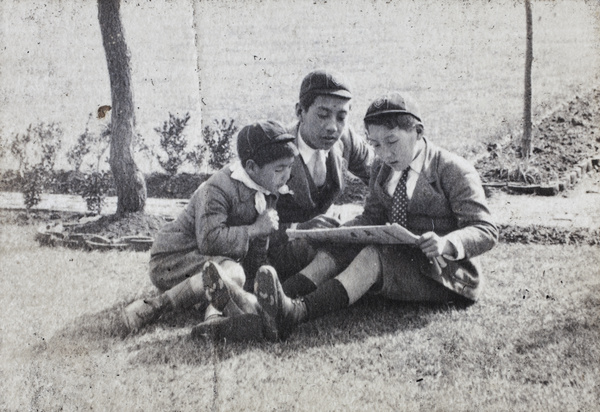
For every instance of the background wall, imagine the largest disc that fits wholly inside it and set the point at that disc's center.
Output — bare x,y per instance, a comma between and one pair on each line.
463,61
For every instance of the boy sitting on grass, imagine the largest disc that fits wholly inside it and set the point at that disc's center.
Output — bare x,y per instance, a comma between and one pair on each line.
433,193
222,235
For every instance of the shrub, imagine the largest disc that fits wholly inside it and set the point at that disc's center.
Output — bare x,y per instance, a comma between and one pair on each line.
94,189
36,151
173,142
218,140
196,156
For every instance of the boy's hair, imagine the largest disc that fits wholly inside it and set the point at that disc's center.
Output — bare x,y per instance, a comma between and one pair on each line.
322,82
393,110
265,142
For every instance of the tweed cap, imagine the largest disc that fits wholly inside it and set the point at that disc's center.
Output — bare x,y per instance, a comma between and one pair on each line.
260,134
392,103
325,82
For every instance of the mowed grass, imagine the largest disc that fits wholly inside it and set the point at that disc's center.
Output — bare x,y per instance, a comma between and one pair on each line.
531,343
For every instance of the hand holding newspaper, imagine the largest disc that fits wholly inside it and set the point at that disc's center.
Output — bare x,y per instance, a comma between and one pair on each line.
388,234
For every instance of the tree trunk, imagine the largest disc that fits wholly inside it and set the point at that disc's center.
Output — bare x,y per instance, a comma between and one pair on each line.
526,142
129,182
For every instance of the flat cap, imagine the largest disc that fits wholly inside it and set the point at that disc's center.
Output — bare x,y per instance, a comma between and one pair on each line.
392,103
325,82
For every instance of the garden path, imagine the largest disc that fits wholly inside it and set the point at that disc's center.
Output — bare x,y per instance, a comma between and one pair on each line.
578,207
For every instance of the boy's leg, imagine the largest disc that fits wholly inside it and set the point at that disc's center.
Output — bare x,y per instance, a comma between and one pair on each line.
223,288
284,314
179,276
322,268
404,277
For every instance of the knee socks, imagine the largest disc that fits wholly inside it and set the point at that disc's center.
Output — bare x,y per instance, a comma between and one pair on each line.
298,285
328,297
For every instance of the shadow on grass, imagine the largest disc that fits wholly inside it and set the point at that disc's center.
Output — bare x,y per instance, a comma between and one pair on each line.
168,340
368,318
103,330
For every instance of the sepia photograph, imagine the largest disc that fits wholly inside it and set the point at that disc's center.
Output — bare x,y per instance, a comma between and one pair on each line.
300,205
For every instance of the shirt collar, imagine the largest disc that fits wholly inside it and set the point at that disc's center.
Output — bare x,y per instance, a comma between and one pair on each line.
239,173
417,164
305,150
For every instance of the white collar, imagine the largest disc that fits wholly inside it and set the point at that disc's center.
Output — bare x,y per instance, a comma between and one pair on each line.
239,173
305,150
417,164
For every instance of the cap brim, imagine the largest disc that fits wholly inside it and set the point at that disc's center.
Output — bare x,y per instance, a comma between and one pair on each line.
382,112
339,93
284,138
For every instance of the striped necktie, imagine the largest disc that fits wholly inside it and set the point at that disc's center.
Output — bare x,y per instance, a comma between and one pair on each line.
400,201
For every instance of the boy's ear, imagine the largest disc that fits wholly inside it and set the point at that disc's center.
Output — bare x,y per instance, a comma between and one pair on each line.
420,129
250,166
299,111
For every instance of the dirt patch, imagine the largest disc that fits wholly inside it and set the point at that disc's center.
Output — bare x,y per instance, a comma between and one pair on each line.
561,141
549,235
113,227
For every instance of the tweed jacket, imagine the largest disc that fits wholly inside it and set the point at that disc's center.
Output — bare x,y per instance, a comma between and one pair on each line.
215,221
449,200
350,153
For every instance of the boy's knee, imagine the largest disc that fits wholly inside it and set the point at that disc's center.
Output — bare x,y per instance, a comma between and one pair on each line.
234,271
370,251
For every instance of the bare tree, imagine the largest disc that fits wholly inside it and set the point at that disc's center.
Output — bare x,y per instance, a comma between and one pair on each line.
526,142
129,182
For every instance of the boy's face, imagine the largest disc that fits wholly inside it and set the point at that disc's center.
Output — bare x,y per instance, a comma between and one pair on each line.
272,175
394,146
324,121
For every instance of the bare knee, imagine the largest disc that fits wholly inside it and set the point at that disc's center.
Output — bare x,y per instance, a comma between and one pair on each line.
234,271
370,252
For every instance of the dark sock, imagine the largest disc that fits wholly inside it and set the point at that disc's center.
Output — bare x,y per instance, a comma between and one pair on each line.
328,297
298,285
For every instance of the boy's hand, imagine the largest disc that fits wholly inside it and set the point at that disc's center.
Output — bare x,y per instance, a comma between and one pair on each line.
319,222
434,246
266,223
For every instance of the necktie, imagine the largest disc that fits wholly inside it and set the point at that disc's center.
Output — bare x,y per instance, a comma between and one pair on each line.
319,169
400,201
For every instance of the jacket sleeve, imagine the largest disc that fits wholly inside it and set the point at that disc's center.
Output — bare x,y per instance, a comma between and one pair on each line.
477,232
374,212
358,154
214,235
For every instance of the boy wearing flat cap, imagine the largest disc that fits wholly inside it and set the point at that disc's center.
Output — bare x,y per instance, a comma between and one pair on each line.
433,193
328,148
223,233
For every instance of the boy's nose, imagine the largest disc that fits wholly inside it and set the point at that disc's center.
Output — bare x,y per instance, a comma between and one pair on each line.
331,126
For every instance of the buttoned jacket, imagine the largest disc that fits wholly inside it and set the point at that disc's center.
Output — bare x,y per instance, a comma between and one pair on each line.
449,200
215,221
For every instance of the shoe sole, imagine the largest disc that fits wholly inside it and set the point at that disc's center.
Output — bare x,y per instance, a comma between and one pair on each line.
266,293
214,287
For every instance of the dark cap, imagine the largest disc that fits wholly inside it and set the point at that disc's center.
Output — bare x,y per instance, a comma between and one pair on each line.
392,103
260,134
326,82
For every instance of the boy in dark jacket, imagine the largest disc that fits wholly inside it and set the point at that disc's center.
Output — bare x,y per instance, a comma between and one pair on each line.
222,236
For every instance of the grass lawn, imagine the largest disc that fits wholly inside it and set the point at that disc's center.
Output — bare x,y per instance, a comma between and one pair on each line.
531,343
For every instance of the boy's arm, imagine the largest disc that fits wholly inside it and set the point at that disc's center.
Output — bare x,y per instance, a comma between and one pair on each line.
374,212
358,154
477,232
214,236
